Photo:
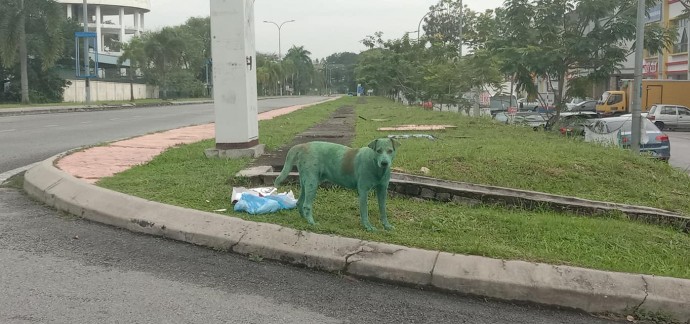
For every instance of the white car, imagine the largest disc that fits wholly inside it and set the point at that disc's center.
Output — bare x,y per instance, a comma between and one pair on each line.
669,116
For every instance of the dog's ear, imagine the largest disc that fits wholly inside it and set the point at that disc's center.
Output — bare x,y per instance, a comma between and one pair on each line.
373,144
395,143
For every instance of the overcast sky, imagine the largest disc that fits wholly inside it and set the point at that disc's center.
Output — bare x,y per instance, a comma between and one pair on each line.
322,26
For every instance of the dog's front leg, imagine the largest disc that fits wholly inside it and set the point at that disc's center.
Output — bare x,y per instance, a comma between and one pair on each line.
364,210
381,194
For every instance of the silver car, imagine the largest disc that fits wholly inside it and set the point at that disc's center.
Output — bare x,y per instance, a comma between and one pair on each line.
669,116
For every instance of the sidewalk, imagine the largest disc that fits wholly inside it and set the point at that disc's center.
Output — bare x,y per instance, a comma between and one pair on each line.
593,291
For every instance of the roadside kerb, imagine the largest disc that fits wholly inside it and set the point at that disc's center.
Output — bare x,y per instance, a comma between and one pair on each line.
593,291
36,110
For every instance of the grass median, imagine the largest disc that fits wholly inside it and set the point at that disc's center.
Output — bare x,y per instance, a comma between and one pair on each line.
478,151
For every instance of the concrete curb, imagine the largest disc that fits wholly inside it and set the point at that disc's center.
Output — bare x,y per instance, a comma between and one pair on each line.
589,290
67,109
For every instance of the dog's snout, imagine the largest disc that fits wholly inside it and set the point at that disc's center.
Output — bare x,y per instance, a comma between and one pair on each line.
384,163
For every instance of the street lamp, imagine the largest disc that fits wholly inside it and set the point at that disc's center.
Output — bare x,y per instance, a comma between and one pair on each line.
419,26
280,53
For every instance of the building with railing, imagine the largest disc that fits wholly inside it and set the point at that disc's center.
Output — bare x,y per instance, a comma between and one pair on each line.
114,22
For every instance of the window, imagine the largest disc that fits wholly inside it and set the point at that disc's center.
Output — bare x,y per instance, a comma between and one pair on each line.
681,44
614,99
668,110
683,111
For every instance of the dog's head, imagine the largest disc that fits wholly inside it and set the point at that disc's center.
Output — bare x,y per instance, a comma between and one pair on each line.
384,148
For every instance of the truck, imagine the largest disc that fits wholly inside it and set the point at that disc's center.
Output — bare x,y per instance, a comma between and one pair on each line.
674,92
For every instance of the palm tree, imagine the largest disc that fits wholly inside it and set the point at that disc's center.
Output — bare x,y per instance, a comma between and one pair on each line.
304,68
42,20
134,52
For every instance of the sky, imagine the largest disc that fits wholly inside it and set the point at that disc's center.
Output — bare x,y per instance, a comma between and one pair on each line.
323,27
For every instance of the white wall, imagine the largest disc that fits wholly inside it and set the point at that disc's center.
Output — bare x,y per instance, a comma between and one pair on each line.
108,91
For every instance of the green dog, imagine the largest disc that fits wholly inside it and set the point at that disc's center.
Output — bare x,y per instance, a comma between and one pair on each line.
363,169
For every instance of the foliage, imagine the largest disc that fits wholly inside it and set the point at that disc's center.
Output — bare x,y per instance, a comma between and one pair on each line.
553,38
30,29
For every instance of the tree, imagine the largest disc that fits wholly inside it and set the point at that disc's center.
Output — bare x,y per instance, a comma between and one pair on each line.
298,57
343,70
30,21
552,38
135,53
165,51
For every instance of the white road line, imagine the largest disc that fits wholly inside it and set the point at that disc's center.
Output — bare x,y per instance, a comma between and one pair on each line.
86,122
47,126
7,130
6,175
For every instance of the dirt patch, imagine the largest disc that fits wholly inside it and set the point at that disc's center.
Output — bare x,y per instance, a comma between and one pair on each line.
338,128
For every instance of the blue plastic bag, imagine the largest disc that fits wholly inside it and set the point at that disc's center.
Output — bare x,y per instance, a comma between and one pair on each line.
256,205
285,201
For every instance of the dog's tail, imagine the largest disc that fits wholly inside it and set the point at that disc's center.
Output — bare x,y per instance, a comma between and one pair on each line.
289,163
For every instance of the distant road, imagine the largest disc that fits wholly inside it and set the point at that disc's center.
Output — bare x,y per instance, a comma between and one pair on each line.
31,138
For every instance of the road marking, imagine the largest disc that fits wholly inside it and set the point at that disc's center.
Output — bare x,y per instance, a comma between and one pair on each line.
6,175
113,119
46,126
7,130
86,122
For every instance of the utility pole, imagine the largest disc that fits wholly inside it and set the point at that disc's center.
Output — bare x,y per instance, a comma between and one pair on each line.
87,71
637,98
460,31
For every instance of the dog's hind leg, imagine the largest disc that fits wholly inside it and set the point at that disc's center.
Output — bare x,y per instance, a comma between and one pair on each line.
364,210
381,194
300,200
309,193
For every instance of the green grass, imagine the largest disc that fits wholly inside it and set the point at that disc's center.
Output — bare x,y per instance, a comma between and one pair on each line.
183,176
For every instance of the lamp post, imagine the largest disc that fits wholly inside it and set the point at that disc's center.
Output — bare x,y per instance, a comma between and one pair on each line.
87,85
419,26
280,26
637,98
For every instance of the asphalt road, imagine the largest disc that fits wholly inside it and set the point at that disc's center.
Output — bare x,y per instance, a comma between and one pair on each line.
31,138
680,150
55,268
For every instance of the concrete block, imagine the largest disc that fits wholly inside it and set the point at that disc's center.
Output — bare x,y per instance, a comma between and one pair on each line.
252,152
254,171
392,263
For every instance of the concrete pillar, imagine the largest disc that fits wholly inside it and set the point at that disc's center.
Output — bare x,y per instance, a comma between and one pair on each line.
136,24
69,11
99,37
122,27
234,79
141,21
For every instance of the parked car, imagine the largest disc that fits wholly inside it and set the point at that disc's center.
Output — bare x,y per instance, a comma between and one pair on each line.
654,141
587,105
669,116
571,123
574,101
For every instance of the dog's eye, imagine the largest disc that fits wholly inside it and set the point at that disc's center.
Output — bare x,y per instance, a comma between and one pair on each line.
379,151
390,151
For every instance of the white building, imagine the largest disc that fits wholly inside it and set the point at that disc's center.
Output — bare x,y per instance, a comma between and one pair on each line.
112,21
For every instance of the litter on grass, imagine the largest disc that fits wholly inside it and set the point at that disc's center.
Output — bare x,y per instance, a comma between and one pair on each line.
263,200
